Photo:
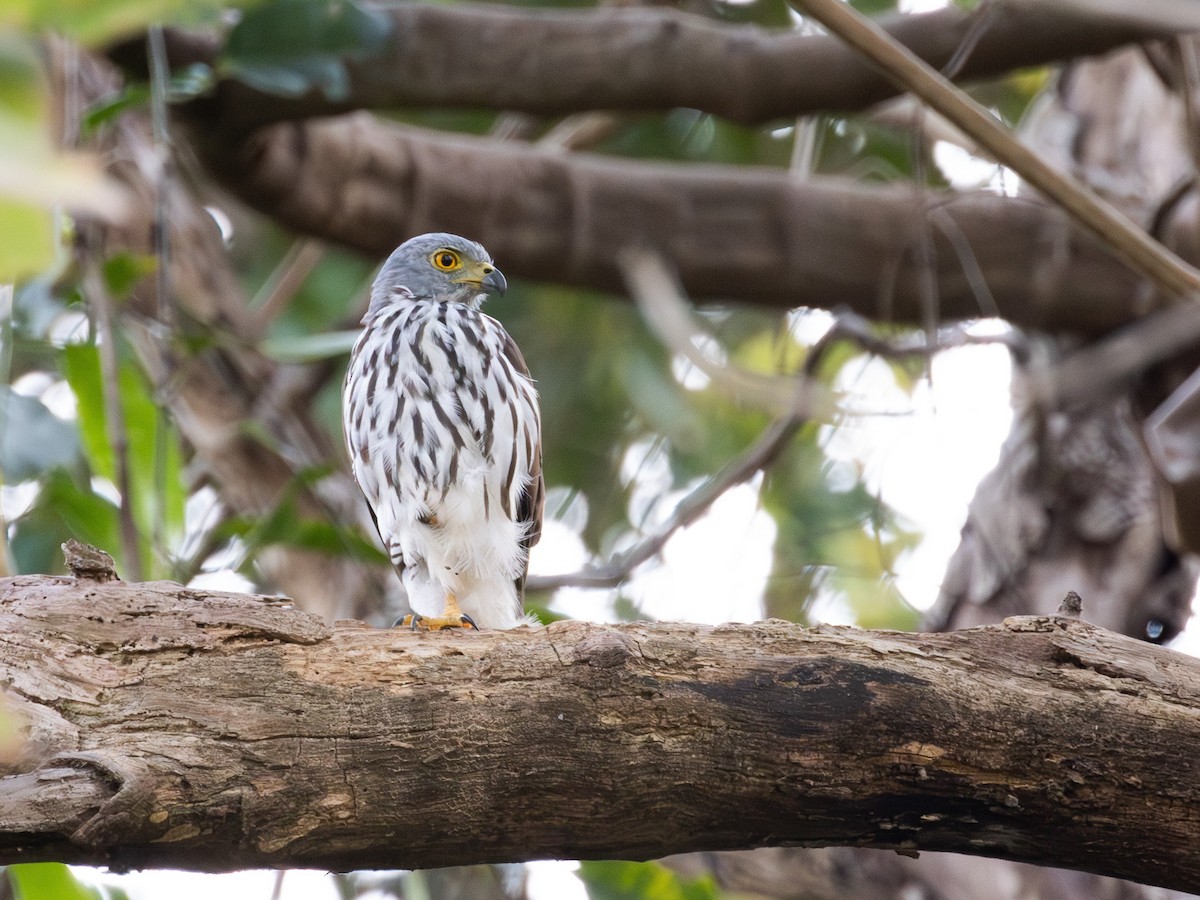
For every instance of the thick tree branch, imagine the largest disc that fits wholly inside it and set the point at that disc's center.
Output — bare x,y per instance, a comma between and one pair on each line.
732,233
553,62
169,727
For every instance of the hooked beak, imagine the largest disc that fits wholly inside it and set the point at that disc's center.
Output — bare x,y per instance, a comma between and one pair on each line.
486,277
494,282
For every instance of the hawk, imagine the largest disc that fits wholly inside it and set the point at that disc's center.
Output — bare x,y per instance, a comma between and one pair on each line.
443,430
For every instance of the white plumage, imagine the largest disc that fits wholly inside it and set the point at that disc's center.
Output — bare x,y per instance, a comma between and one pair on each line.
443,430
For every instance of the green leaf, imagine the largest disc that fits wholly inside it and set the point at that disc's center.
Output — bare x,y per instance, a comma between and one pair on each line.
124,270
99,21
131,96
32,439
37,177
617,880
186,84
27,240
81,365
297,348
48,881
289,47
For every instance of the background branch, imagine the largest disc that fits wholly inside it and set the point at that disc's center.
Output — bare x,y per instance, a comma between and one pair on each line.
754,235
555,62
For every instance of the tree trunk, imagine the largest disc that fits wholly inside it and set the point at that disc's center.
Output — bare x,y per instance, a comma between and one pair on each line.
170,727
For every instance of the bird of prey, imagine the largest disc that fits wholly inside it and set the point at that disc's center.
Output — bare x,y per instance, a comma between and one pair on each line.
443,429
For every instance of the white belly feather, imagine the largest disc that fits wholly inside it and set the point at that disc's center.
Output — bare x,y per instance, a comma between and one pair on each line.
447,454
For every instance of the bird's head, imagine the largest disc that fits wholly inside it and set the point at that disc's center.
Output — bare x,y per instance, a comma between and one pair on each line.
439,267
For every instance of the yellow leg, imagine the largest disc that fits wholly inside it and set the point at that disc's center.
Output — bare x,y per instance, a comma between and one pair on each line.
451,617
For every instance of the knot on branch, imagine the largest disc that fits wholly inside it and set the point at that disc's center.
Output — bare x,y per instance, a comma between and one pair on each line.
88,562
605,650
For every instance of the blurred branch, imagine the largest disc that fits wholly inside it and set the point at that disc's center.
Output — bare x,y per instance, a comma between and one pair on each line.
1140,251
656,291
114,415
1102,368
324,747
161,177
279,289
1175,14
732,233
556,62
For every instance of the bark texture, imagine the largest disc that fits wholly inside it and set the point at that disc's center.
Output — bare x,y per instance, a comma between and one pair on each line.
169,727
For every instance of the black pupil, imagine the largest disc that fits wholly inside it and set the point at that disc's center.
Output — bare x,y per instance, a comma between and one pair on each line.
446,260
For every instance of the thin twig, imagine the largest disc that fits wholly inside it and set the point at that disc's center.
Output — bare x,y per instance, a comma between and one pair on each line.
161,135
6,333
755,459
966,260
1131,244
658,295
279,289
114,418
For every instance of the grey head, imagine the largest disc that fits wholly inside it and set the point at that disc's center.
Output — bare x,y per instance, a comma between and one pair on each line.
437,267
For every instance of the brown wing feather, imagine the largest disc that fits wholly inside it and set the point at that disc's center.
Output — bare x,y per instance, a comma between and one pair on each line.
533,500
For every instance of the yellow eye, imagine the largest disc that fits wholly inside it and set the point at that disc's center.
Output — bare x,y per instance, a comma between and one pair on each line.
446,260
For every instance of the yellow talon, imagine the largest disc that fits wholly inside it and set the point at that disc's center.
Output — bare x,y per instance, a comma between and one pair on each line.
451,617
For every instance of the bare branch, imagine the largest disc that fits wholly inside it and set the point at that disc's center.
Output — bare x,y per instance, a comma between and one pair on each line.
219,731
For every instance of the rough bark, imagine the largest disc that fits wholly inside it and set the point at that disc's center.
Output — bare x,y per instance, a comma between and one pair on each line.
754,235
553,61
216,731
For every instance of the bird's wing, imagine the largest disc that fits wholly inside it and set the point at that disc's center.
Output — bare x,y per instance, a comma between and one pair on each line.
533,500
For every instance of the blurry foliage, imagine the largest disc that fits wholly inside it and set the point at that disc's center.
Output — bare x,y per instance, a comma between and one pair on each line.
48,881
618,880
290,47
